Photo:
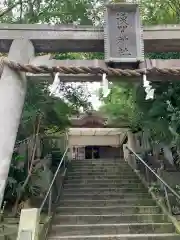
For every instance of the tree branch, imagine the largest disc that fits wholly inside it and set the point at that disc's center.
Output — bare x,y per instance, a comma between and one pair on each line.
9,9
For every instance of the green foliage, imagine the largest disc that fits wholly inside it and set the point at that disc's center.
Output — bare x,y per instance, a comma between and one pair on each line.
120,104
168,55
39,11
55,111
160,117
160,11
18,173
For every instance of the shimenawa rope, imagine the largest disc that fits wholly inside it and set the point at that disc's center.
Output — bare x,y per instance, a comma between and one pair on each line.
28,68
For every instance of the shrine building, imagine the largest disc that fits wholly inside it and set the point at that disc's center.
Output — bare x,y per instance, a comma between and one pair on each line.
91,136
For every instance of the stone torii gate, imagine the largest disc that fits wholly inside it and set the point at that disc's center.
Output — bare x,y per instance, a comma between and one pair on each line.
124,58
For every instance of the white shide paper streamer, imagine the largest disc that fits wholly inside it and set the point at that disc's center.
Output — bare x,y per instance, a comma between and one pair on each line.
56,84
105,85
148,88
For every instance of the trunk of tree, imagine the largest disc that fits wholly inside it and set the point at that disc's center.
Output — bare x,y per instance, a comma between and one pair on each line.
15,208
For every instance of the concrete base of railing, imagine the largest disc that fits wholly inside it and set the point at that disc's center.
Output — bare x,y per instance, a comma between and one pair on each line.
29,224
130,158
159,201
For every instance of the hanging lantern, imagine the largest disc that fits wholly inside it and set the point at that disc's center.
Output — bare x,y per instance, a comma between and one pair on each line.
123,35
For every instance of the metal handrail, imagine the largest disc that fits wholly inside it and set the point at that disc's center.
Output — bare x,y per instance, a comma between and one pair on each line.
53,180
154,173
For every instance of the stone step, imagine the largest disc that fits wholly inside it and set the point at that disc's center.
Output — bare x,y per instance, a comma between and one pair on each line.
87,166
120,209
94,191
116,228
105,196
100,169
155,236
101,203
109,219
89,162
101,172
102,181
103,185
100,166
102,177
109,160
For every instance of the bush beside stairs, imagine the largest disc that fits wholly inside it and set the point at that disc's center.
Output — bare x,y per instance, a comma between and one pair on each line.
104,199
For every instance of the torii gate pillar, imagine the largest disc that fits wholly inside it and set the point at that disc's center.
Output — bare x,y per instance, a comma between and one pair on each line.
12,95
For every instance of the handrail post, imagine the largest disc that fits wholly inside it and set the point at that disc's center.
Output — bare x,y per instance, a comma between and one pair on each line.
50,203
147,176
64,162
167,199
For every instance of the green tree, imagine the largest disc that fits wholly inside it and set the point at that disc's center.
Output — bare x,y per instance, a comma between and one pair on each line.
55,111
40,11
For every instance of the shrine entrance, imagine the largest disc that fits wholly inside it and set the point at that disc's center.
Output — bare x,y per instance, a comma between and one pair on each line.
92,152
95,152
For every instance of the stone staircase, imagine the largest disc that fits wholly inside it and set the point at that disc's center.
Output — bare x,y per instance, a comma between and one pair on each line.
105,200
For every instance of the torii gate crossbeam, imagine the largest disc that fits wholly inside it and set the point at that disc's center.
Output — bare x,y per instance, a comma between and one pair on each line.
69,38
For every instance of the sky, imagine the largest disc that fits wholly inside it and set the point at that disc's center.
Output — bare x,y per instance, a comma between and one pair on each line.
91,88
